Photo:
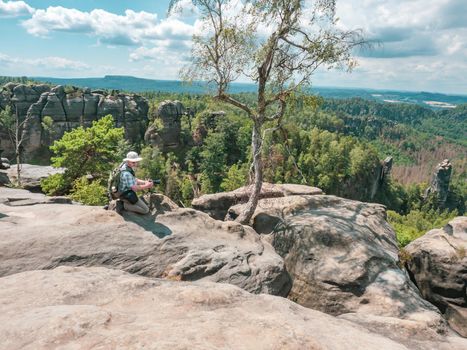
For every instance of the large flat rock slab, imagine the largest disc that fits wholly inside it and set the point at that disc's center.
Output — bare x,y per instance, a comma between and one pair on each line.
83,308
182,244
437,261
31,175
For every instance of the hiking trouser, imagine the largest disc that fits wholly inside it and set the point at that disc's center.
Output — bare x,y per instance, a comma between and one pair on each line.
138,207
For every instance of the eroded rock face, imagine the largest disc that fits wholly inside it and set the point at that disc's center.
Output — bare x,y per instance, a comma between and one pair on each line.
343,259
181,244
440,182
165,134
70,109
438,264
218,204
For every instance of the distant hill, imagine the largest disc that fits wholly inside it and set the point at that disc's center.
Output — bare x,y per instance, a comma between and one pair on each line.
138,85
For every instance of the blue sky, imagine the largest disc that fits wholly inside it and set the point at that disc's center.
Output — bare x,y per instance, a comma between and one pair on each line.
422,44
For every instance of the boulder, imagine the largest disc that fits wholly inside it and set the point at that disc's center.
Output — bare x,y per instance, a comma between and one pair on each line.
218,204
31,175
4,179
437,262
342,256
4,163
180,244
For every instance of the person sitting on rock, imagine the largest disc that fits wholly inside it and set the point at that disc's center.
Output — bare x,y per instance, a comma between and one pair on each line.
129,185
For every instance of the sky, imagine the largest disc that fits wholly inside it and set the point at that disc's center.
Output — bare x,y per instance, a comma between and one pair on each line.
420,45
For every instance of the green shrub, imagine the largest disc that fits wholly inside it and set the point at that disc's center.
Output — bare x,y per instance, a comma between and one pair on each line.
416,223
53,185
90,193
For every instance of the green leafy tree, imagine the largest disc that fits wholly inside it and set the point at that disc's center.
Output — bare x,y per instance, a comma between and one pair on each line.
300,38
237,176
213,162
153,164
84,151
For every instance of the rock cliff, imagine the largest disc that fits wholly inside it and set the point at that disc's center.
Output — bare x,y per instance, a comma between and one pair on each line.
165,132
69,108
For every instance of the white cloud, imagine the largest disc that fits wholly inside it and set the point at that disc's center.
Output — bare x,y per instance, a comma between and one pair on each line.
171,29
167,40
421,44
421,40
50,63
14,9
167,52
108,27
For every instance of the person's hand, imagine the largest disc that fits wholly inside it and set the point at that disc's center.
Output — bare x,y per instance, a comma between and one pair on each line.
148,184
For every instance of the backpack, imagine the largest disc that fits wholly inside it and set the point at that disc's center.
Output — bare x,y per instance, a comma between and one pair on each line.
114,183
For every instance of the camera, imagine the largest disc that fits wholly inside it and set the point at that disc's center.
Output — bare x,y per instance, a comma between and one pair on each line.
156,181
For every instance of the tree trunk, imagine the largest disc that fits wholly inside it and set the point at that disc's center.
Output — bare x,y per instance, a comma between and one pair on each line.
256,142
18,169
17,149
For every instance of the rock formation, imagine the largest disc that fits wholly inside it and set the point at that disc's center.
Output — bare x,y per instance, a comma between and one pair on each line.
165,131
342,256
31,175
383,172
181,244
4,164
218,204
437,262
70,108
440,182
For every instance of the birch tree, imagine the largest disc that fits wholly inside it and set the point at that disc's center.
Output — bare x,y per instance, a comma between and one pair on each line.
13,125
278,44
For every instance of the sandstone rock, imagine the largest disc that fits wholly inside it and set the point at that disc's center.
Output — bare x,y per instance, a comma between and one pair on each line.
440,182
31,175
13,197
342,256
383,174
4,162
167,135
192,246
102,308
218,204
69,109
438,265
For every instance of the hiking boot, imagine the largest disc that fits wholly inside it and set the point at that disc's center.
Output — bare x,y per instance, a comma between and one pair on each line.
119,207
